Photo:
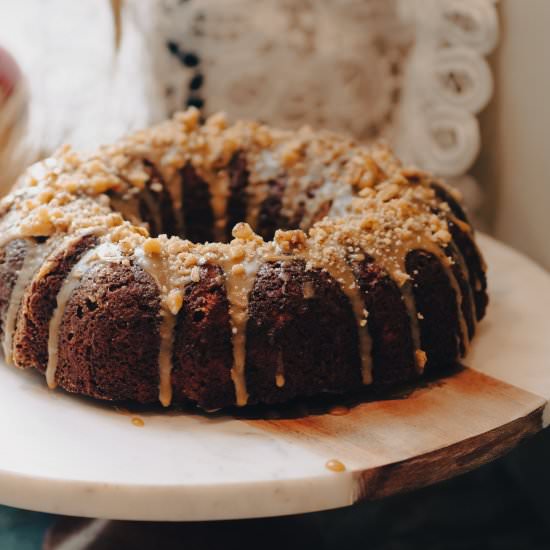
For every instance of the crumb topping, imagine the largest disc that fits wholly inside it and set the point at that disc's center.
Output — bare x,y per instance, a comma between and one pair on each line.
391,209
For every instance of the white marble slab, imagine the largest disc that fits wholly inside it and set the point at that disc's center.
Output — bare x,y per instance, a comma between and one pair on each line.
69,455
513,343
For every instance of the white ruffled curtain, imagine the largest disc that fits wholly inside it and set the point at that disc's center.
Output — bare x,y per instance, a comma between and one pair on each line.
410,71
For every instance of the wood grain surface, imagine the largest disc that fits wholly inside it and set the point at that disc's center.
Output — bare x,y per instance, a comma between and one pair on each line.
421,435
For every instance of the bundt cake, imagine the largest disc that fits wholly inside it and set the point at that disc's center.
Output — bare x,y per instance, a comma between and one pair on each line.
223,264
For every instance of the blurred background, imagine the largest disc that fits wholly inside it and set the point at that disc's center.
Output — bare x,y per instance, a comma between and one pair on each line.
458,87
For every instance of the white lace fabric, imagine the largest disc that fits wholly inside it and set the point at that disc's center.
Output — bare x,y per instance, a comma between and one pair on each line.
410,71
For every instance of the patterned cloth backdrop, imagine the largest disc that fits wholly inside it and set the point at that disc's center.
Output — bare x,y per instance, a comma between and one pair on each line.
410,71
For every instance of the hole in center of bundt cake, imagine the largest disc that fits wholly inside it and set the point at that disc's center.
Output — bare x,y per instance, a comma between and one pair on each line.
185,205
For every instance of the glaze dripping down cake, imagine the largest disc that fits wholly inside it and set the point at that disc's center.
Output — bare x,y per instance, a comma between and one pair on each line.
227,264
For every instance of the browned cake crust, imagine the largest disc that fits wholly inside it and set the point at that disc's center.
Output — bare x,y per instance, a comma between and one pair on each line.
111,319
30,339
301,327
202,348
372,277
393,350
11,261
436,300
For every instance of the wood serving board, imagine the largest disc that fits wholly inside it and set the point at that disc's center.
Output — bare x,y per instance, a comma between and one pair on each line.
440,430
75,456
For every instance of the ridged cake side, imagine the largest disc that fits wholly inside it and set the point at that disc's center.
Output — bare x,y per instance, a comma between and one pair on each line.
372,274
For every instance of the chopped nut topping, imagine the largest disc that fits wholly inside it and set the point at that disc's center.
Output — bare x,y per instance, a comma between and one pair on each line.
238,252
289,240
152,246
196,274
189,119
238,269
242,231
174,300
218,121
443,235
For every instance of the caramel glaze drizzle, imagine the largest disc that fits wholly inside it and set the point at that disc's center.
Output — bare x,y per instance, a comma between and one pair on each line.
155,266
238,287
35,255
240,274
101,253
340,270
240,271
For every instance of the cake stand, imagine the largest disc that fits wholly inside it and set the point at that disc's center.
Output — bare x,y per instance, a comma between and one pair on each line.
69,455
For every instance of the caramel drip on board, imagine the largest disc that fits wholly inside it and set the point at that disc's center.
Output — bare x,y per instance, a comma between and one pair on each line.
34,256
335,465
